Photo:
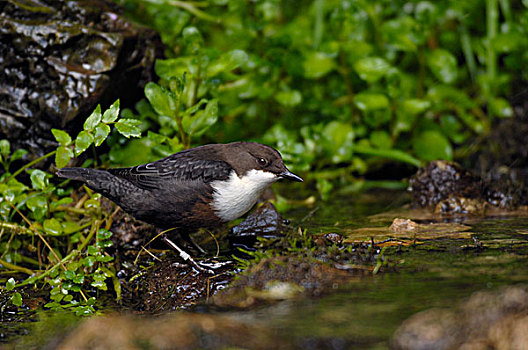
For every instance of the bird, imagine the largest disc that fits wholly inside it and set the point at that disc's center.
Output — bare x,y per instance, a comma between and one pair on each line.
201,187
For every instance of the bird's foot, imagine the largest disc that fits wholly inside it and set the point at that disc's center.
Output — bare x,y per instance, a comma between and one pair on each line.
186,257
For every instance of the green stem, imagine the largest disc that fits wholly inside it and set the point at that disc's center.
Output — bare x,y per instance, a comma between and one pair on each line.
32,280
421,72
30,164
492,19
318,8
89,237
14,228
506,10
465,43
73,254
190,7
16,268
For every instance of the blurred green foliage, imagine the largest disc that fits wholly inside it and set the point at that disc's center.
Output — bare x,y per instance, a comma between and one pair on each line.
343,84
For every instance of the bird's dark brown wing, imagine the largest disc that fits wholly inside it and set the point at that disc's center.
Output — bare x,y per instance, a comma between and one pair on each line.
175,168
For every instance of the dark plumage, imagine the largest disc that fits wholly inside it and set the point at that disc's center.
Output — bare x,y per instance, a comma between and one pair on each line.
190,189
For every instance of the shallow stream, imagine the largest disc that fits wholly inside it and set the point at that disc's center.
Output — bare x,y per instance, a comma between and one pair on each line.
365,313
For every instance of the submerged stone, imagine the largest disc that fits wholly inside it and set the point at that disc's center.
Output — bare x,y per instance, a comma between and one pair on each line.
488,320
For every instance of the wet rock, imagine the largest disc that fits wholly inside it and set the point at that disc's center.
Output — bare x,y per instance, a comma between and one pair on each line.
176,331
461,205
446,187
59,59
265,221
441,179
404,225
291,273
488,320
328,239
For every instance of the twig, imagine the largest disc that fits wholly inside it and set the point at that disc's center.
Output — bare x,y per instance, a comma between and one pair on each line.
33,162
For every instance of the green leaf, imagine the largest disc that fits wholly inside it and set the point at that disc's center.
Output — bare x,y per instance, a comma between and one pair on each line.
227,62
101,133
89,261
10,284
156,138
163,101
129,127
112,113
289,98
93,120
91,250
16,299
432,145
507,42
193,39
92,204
500,107
18,154
203,120
5,148
63,156
69,227
443,65
39,206
317,65
83,141
395,154
371,69
99,283
52,227
338,140
368,101
415,106
39,180
69,274
174,68
104,234
380,139
104,258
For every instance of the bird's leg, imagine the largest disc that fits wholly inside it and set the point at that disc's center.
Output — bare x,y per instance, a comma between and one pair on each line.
186,257
187,237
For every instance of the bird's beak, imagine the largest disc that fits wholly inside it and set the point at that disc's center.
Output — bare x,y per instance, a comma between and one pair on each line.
286,174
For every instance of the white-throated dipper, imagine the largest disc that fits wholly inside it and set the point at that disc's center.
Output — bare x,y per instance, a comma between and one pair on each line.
201,187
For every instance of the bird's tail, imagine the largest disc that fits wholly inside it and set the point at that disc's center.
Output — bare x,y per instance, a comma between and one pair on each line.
83,174
100,181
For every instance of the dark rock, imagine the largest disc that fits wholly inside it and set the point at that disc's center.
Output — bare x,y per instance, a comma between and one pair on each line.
441,179
59,59
265,221
488,320
328,239
447,187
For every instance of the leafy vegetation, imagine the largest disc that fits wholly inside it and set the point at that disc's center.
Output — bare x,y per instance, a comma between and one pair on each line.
69,242
341,87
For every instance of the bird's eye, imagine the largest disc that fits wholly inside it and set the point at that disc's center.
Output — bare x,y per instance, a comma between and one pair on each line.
262,162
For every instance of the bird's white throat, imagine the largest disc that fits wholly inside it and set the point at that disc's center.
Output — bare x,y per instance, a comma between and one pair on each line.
234,197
